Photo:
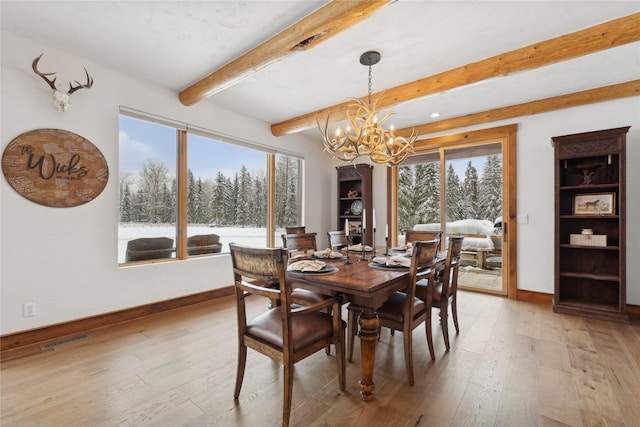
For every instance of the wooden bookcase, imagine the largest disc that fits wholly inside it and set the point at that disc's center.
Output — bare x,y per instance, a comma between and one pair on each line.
590,195
355,188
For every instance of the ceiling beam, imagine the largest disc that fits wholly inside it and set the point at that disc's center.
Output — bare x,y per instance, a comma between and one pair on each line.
590,40
590,96
321,25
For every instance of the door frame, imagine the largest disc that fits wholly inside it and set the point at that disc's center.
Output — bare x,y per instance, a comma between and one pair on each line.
507,136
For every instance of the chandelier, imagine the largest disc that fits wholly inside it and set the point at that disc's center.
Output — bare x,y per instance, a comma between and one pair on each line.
365,135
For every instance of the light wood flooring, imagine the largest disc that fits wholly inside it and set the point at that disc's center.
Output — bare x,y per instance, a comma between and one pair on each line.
513,364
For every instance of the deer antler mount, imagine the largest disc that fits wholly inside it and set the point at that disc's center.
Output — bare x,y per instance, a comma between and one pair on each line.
61,99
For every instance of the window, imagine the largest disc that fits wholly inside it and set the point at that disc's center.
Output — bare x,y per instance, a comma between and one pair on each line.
187,192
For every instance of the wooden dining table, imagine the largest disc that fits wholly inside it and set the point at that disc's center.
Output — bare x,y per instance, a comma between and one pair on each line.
368,287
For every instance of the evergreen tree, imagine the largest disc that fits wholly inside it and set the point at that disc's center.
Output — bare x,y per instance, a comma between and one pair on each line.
243,196
490,189
218,214
470,187
428,190
454,206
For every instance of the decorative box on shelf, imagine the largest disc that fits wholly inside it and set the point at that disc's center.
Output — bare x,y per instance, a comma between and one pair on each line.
588,239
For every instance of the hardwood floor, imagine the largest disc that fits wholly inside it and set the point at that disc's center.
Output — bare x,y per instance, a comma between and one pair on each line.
513,364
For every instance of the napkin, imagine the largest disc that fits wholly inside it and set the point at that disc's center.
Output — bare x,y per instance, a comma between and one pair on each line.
327,253
358,247
306,265
394,261
397,260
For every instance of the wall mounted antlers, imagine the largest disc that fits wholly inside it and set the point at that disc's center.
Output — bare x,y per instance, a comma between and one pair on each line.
61,99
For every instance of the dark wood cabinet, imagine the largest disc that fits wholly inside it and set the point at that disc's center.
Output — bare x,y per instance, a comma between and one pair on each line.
355,188
590,276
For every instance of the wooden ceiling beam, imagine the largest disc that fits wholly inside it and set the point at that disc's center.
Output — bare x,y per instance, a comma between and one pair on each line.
590,96
590,40
324,23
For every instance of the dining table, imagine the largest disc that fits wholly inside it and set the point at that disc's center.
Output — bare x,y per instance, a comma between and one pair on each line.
366,284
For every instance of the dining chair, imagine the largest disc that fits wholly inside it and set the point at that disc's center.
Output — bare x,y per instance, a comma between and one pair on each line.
403,311
336,239
422,235
296,229
444,291
299,242
287,333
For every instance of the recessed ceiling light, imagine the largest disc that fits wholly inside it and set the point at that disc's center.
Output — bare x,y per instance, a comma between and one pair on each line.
434,115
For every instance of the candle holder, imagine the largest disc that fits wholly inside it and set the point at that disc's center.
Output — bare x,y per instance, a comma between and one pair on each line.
386,245
363,257
373,241
347,261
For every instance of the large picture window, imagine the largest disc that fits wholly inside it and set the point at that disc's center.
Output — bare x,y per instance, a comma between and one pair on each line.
185,194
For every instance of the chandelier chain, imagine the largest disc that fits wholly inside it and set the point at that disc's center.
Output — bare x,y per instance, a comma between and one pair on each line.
365,133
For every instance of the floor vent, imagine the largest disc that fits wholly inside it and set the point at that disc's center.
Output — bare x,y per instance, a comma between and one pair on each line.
63,341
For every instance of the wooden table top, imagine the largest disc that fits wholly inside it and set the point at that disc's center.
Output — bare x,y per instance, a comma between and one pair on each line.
359,283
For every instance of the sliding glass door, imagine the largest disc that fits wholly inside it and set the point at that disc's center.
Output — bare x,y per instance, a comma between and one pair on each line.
460,185
473,208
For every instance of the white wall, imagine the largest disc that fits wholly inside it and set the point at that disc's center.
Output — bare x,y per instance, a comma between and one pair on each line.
65,260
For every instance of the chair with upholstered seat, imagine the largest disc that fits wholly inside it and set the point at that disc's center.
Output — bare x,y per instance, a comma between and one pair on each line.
336,239
287,333
444,291
403,311
149,248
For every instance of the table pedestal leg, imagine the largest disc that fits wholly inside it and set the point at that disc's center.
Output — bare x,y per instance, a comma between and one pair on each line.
368,338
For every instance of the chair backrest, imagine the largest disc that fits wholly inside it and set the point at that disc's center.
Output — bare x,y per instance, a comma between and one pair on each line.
422,268
452,263
147,248
203,244
296,230
336,239
301,242
422,235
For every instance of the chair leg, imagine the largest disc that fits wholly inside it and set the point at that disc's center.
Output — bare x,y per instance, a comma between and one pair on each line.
288,392
408,354
444,323
352,329
454,313
430,336
328,348
242,361
340,360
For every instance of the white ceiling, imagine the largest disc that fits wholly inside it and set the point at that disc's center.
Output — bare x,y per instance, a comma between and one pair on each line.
175,43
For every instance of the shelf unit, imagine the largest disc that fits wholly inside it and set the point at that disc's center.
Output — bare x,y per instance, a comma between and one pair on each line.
590,194
355,184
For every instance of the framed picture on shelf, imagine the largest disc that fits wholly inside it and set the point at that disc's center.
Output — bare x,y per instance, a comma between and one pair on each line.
355,227
594,204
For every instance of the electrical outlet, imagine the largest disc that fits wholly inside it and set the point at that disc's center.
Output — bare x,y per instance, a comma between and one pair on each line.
29,309
523,219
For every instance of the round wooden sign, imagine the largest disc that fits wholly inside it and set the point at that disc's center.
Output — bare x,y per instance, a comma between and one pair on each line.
54,167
